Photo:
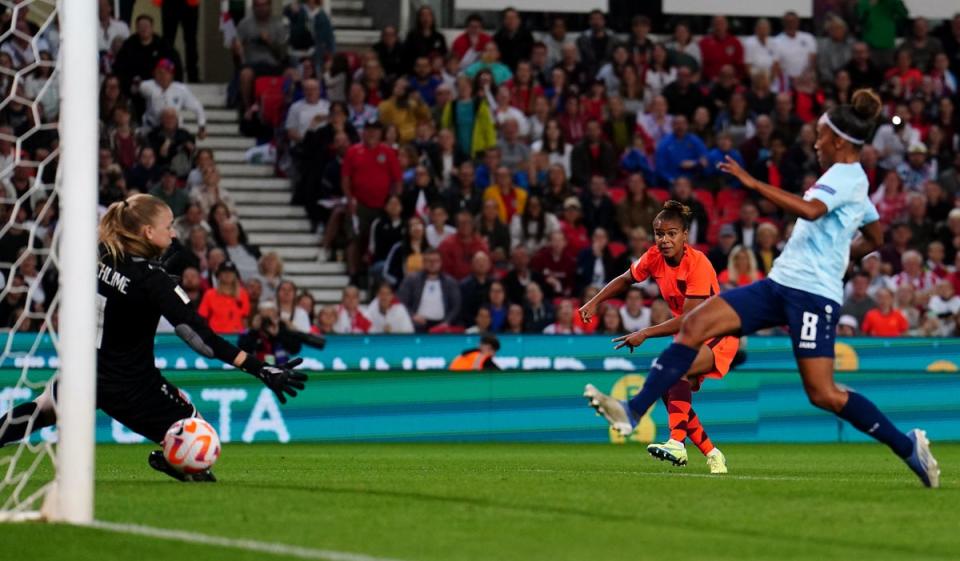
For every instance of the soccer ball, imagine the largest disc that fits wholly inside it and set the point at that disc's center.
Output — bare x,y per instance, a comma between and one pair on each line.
191,445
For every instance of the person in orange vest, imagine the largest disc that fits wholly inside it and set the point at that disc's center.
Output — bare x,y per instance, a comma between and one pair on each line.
480,358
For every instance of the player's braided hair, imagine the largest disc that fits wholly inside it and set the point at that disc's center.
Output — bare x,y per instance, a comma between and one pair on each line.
121,226
675,210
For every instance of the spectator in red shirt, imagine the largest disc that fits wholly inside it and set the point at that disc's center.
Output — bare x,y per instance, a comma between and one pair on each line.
557,265
890,198
468,46
571,224
572,121
457,251
884,320
524,88
904,78
227,306
720,48
370,172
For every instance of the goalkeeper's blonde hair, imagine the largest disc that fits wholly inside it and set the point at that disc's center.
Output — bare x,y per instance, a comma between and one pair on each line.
121,228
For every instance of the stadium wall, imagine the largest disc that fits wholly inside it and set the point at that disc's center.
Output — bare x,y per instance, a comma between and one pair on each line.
544,406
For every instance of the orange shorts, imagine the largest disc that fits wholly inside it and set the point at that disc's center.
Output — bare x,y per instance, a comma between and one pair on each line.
724,350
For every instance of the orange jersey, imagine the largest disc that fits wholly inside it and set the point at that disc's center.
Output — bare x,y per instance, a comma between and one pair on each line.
693,278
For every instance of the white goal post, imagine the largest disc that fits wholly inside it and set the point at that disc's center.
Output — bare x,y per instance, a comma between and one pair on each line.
72,496
51,220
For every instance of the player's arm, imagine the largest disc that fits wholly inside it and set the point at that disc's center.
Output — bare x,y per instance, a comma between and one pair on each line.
173,303
613,288
794,204
669,327
872,234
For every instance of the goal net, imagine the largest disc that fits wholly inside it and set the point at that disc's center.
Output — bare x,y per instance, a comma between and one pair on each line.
39,246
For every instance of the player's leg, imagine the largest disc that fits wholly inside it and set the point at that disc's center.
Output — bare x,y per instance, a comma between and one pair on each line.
151,415
678,402
739,311
813,328
853,407
32,416
724,351
713,318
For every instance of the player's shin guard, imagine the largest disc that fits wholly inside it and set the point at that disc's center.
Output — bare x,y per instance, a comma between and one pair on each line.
697,435
13,425
864,415
677,399
669,367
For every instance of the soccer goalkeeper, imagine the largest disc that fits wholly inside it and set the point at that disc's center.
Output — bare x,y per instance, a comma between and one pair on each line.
134,290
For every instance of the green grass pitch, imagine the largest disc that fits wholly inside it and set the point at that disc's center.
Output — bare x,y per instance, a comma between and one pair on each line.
520,502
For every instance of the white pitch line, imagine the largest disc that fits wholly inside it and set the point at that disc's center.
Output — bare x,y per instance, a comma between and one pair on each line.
220,541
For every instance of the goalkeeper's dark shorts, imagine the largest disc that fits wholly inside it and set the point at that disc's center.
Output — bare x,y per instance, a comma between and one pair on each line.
150,410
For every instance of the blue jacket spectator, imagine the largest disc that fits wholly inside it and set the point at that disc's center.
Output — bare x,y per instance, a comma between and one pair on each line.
423,82
484,177
636,160
719,154
680,153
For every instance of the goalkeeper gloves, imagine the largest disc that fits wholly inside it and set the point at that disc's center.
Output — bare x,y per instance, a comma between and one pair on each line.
280,379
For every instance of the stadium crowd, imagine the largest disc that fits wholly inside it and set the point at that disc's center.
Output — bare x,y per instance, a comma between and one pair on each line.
493,184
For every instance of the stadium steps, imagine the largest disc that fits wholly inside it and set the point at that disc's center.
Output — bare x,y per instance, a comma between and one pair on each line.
263,200
273,237
346,5
228,156
271,211
257,184
349,14
245,170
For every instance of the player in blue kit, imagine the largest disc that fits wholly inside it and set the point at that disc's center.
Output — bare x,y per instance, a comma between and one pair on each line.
804,289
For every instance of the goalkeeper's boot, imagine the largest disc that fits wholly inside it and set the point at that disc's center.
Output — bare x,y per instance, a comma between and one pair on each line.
159,463
616,412
716,461
921,461
671,451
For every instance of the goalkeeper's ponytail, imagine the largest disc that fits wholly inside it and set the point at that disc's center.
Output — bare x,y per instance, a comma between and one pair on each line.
121,228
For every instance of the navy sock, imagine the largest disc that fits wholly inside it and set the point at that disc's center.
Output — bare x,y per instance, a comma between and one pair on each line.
864,415
670,366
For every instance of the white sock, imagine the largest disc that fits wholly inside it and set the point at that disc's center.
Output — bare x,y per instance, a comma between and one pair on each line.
713,452
675,442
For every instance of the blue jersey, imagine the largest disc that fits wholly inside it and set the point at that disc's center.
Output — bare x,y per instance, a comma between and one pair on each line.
817,253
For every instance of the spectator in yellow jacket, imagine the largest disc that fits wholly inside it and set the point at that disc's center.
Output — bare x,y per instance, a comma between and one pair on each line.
404,110
510,199
470,119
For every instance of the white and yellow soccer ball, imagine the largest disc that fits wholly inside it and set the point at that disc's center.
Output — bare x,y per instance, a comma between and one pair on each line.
191,445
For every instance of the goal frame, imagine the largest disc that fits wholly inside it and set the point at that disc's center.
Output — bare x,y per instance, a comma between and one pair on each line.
71,497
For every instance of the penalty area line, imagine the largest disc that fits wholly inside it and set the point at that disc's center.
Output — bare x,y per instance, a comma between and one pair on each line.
272,548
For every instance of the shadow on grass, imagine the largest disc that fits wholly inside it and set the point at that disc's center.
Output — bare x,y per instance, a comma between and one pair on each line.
666,524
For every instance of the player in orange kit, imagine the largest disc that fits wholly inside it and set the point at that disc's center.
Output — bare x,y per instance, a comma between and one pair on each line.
686,279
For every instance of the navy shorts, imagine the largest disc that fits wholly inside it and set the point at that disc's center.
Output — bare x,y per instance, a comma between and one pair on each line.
812,319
